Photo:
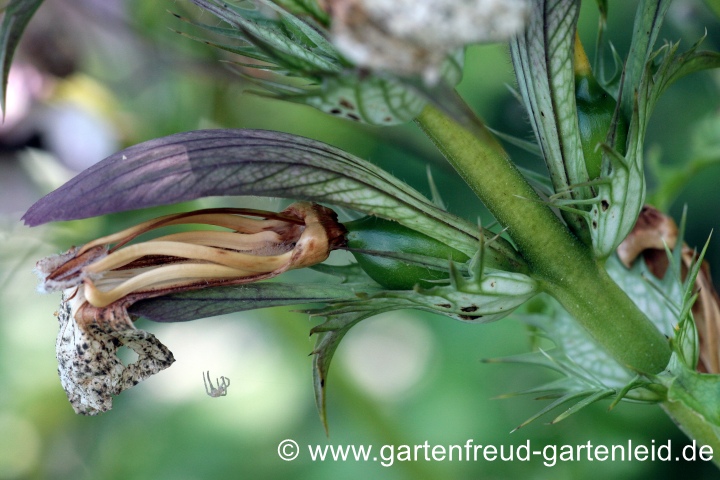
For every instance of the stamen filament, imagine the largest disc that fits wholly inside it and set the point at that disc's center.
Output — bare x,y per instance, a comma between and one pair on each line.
220,217
247,262
234,241
177,274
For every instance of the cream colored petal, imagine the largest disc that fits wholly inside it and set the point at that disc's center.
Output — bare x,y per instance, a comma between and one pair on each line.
244,261
227,220
261,243
160,275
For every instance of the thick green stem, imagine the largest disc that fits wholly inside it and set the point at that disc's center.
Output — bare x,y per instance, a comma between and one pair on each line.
564,265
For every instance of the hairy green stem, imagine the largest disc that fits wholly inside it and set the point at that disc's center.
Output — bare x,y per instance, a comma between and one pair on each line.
564,265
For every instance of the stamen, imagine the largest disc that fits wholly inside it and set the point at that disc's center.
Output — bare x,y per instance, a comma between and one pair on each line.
302,235
178,274
220,217
262,243
245,261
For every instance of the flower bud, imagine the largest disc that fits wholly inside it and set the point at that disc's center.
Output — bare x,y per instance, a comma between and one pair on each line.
372,240
595,110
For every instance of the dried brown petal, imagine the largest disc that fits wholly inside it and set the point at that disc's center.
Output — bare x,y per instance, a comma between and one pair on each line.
651,233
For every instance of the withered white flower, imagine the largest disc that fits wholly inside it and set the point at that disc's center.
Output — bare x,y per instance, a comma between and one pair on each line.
90,371
104,277
415,36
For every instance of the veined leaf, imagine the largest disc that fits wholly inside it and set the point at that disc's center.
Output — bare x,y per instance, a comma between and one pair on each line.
208,302
543,61
589,374
308,53
15,18
375,100
191,165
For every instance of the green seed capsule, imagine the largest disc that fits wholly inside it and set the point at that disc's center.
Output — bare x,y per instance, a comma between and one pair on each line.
373,233
595,109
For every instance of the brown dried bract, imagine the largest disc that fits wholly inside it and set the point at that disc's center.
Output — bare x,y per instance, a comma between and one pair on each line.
652,232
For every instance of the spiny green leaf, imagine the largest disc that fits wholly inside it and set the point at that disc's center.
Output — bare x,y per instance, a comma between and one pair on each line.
552,389
325,346
15,18
491,296
576,353
208,302
590,399
552,406
588,372
192,165
277,43
621,193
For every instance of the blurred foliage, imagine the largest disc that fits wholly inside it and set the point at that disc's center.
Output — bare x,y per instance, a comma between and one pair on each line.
401,379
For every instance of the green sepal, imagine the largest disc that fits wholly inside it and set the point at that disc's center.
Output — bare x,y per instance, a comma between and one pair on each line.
543,61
